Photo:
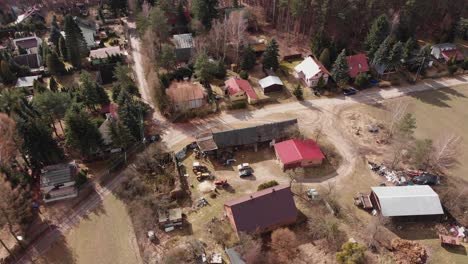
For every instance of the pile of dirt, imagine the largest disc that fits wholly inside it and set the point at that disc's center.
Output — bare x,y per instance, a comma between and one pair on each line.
408,252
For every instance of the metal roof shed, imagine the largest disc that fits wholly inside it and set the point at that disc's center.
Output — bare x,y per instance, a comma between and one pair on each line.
407,200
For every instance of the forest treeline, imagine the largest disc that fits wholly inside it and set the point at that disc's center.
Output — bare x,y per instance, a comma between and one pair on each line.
349,20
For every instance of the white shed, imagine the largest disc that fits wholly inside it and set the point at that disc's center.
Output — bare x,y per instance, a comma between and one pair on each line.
406,200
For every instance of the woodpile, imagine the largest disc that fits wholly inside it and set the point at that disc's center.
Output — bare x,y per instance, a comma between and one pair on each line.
408,252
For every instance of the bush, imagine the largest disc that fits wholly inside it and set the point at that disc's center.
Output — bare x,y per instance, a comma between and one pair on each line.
352,253
465,65
299,93
362,80
238,105
81,178
244,75
266,185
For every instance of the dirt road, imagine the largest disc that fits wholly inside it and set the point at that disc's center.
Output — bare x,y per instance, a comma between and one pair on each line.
310,114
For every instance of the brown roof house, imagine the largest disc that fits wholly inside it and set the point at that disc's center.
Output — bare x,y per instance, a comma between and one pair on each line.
262,211
186,95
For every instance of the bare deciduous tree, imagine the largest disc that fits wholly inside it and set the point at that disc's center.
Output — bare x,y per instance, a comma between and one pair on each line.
445,152
236,26
250,248
8,149
284,245
397,111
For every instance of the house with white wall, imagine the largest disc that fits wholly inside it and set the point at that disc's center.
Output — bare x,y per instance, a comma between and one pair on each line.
310,70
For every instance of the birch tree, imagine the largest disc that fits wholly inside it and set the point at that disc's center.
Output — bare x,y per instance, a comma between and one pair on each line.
446,151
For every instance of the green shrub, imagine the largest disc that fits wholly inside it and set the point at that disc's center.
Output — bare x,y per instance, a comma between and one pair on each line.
266,185
362,80
81,178
298,92
238,105
244,75
352,253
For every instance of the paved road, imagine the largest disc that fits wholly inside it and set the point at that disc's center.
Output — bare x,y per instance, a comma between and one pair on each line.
175,134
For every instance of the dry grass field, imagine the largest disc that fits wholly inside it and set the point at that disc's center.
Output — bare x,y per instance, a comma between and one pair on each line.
105,236
438,113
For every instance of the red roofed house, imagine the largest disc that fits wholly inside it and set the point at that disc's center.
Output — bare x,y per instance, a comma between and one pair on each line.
262,211
186,95
296,153
357,64
446,51
239,89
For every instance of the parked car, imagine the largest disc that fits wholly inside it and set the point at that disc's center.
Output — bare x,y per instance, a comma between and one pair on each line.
243,166
349,91
245,173
426,179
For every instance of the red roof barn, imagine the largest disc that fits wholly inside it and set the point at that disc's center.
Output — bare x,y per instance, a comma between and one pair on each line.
296,153
262,211
357,64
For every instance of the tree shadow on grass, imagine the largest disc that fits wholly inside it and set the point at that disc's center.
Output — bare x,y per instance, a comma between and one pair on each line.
59,253
439,97
460,250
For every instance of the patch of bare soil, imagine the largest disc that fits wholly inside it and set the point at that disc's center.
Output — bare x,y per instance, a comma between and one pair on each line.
408,252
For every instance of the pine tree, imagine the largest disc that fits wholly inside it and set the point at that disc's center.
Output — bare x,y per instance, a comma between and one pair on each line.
201,67
120,135
5,72
53,85
298,92
248,59
408,48
321,83
45,51
205,11
340,69
75,42
54,32
396,55
63,48
38,144
270,57
318,43
91,93
38,87
325,58
182,22
379,30
167,59
131,114
52,105
118,7
54,64
382,54
80,132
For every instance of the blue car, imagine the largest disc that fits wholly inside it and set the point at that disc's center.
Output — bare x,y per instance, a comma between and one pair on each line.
349,91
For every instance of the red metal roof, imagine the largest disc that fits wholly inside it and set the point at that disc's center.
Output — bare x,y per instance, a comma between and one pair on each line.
264,209
109,109
235,85
295,150
357,64
450,54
